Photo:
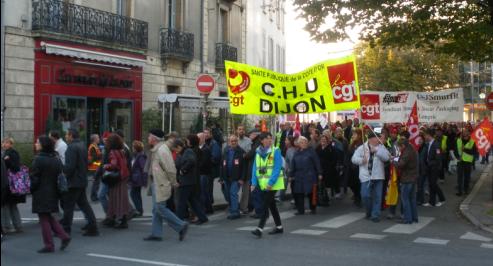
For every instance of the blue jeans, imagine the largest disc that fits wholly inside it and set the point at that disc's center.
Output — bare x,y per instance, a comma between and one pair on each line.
371,194
233,187
103,196
159,213
205,197
408,201
135,195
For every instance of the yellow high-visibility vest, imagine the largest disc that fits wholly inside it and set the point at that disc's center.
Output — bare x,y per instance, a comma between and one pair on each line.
466,157
268,164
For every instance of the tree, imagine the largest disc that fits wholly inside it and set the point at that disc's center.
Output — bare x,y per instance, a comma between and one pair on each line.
461,28
393,69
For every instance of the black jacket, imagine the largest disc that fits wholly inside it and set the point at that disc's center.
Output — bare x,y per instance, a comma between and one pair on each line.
204,158
5,182
250,158
44,174
187,168
76,164
238,168
433,156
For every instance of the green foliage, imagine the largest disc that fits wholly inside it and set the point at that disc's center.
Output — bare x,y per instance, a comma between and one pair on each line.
26,152
151,118
393,69
461,28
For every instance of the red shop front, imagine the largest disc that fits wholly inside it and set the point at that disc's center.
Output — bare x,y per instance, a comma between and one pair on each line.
87,88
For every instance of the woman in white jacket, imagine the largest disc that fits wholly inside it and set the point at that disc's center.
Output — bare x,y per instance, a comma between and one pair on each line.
370,157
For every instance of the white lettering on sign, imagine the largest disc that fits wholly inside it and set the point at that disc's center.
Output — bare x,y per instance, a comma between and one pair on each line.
370,110
347,92
483,142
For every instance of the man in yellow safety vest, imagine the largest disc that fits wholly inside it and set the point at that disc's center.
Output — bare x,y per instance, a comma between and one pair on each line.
465,154
267,174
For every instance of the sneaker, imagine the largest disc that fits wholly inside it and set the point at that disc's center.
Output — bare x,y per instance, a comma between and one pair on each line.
276,231
257,233
426,204
440,203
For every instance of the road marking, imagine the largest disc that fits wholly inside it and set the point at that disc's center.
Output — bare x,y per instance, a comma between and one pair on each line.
341,221
309,232
251,228
368,236
484,245
432,241
204,225
473,236
133,260
37,219
409,228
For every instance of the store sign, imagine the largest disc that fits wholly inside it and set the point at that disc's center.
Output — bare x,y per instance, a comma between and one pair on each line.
93,78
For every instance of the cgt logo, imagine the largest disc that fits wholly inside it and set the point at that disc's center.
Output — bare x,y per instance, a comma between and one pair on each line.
370,106
342,81
238,81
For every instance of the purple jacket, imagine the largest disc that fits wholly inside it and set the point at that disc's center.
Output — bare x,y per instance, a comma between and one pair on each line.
138,177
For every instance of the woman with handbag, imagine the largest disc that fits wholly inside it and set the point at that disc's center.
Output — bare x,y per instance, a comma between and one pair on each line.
116,174
138,177
10,212
44,174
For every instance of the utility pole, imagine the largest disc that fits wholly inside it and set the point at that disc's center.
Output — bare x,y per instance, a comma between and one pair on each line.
472,91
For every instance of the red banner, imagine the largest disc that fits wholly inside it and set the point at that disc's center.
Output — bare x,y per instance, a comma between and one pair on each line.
483,136
413,127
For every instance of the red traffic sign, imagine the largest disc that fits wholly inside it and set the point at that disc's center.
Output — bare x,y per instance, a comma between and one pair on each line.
205,83
489,101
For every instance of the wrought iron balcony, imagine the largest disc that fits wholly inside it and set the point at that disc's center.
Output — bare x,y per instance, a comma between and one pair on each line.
176,45
225,52
59,17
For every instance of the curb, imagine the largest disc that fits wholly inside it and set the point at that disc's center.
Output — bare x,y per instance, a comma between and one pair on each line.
464,206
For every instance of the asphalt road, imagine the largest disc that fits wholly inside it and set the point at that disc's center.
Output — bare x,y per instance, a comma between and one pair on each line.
336,235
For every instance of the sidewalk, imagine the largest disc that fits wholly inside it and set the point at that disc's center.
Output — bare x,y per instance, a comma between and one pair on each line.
478,206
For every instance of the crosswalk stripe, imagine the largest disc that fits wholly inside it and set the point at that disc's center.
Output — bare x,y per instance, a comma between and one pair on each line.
341,221
368,236
284,216
251,228
484,245
432,241
409,228
473,236
309,232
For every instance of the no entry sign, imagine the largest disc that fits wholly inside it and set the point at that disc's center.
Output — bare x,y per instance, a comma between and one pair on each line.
205,83
489,101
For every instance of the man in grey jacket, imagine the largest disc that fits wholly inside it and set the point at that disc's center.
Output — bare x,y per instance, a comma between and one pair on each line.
371,158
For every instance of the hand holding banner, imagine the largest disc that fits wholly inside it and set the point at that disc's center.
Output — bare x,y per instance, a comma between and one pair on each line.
328,86
483,136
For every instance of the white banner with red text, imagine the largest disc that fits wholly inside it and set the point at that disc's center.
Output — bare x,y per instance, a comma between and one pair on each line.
395,107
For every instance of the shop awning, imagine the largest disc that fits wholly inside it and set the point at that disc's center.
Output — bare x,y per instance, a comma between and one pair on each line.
79,53
194,102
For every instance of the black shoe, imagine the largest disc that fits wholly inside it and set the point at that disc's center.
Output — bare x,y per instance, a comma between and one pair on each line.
91,232
375,220
183,232
458,194
202,222
122,224
276,231
299,213
257,233
313,212
254,216
153,238
85,227
46,250
65,244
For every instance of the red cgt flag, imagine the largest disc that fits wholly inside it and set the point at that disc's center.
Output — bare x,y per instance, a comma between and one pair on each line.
483,136
413,127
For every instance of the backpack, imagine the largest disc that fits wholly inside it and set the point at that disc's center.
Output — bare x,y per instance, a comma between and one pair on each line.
19,182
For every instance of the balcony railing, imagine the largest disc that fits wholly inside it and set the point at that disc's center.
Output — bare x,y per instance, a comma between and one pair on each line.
225,52
54,16
177,45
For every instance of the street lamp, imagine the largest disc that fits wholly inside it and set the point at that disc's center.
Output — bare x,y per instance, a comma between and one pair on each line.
482,95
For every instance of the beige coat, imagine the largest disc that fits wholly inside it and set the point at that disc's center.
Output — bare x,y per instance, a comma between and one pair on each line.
162,171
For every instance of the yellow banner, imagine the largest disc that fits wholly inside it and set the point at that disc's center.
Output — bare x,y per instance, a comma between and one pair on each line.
327,86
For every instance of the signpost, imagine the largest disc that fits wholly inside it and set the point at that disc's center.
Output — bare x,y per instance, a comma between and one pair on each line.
205,83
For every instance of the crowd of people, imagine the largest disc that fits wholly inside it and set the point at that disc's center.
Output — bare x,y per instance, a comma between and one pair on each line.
255,169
